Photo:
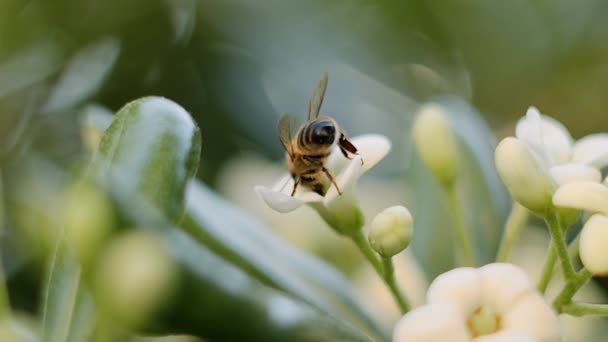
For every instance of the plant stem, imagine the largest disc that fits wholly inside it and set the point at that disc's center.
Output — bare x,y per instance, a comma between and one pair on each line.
582,309
4,299
572,285
516,221
559,242
368,252
464,239
384,270
389,279
548,268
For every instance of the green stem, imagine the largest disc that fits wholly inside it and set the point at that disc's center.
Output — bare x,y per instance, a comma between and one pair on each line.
548,268
559,242
386,272
582,309
463,238
4,299
573,284
515,223
4,302
389,279
368,252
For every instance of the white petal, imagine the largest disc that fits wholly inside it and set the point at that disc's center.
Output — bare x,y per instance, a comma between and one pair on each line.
460,287
278,201
502,285
572,172
431,323
285,186
372,148
592,245
588,196
346,181
592,150
546,136
533,315
506,336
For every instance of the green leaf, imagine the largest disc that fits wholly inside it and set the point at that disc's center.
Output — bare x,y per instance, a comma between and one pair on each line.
483,199
151,149
83,75
242,240
68,313
218,301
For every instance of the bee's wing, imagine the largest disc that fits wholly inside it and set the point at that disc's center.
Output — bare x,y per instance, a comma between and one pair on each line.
316,99
288,128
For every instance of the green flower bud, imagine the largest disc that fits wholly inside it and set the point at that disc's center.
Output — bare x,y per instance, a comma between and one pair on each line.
391,231
88,219
592,245
436,143
524,176
134,278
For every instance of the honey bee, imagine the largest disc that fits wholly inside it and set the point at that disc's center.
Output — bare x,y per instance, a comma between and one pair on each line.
308,145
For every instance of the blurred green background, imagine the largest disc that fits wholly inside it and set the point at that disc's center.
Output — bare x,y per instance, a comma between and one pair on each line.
236,65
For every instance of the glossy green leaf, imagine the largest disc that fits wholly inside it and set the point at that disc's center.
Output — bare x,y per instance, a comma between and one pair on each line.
151,149
220,302
244,241
483,199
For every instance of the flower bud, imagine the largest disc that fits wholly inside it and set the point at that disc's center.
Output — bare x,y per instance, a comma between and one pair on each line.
592,245
391,231
435,143
134,277
524,176
88,219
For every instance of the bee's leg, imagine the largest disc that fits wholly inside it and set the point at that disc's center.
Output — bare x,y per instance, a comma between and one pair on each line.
332,180
295,186
347,146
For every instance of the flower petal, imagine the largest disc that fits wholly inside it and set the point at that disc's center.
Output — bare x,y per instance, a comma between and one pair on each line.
372,148
592,245
278,201
592,150
546,136
431,323
506,336
588,196
346,181
502,284
572,172
460,287
534,316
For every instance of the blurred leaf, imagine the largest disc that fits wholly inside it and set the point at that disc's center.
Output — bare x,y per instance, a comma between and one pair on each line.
68,311
483,198
30,65
84,74
94,121
220,302
242,240
151,149
183,18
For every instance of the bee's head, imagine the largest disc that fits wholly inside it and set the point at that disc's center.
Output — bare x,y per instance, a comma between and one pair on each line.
323,132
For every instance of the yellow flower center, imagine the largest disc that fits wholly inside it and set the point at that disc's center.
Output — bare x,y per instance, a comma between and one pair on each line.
483,321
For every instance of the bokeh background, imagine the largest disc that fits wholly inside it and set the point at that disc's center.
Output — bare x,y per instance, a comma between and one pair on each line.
236,65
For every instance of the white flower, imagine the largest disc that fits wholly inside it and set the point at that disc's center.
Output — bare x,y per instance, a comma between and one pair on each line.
592,197
524,175
340,211
496,302
565,159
